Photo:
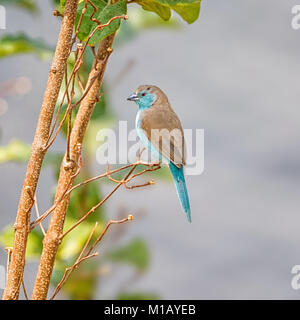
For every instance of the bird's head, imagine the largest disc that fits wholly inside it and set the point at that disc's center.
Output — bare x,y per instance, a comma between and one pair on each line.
145,96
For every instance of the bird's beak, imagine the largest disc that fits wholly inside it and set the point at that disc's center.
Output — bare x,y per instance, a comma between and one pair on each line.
133,97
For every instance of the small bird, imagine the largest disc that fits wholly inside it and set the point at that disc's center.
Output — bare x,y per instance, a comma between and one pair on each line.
159,129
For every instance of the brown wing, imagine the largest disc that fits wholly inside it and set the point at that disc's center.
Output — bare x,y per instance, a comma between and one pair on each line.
163,129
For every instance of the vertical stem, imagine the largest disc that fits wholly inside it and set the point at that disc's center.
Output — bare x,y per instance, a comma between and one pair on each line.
68,168
15,274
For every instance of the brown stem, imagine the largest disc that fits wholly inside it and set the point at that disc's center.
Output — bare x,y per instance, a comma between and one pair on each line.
52,239
15,274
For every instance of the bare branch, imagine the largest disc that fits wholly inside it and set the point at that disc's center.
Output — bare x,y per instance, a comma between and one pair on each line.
37,153
77,65
97,205
129,218
52,239
68,191
38,215
69,270
9,252
89,253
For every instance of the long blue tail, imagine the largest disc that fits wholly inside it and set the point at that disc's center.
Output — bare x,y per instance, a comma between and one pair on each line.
179,180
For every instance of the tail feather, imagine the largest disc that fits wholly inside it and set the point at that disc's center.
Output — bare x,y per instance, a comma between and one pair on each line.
178,176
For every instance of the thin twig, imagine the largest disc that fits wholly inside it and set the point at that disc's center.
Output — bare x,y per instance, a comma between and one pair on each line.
97,205
24,289
38,214
68,136
150,167
129,218
9,252
45,214
107,174
89,253
76,68
69,270
67,192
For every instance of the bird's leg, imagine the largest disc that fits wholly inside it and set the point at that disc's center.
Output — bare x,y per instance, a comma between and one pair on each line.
149,167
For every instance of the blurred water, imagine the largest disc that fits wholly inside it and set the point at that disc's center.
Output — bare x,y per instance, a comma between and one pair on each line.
234,73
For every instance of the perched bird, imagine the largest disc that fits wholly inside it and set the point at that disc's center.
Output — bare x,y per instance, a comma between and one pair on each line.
160,131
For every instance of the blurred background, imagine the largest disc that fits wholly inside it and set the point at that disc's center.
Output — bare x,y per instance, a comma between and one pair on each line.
235,74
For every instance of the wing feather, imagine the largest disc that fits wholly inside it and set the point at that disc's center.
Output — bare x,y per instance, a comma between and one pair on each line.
163,128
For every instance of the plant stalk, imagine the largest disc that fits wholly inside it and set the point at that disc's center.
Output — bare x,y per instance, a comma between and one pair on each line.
69,168
15,273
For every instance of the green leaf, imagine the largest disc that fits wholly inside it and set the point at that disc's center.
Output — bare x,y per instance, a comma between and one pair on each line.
188,12
188,9
105,12
15,151
137,296
60,5
21,43
139,21
29,5
63,3
7,236
34,243
142,20
136,253
163,11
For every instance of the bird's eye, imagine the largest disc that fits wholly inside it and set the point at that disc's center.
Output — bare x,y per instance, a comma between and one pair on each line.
148,88
143,94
